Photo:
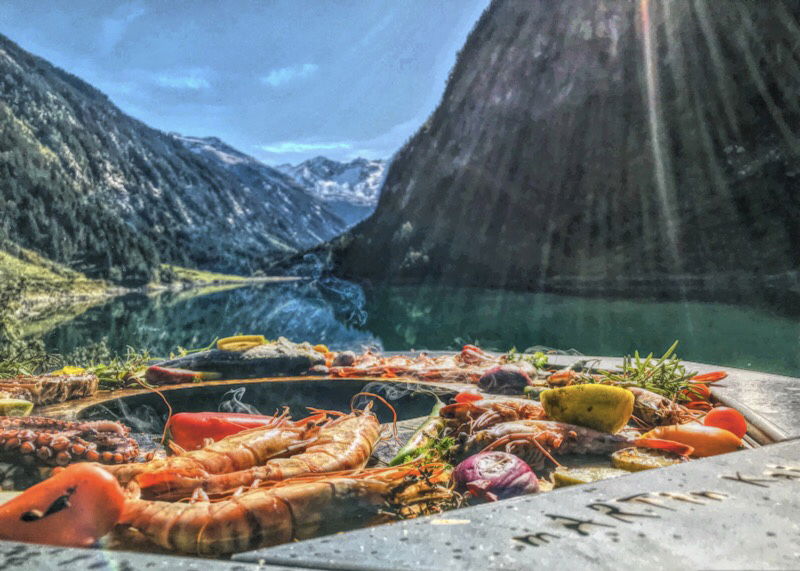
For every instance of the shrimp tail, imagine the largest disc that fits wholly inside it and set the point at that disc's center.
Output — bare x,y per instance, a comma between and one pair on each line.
164,477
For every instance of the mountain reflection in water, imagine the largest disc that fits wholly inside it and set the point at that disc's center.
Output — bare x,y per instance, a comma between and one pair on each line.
343,315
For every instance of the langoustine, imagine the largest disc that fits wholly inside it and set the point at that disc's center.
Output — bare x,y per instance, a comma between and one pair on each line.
239,451
536,440
651,409
288,510
467,366
479,414
50,389
344,443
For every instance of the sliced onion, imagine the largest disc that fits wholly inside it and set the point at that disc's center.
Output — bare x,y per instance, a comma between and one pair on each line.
496,476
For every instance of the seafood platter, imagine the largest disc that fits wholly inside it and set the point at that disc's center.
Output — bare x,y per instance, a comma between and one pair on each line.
253,444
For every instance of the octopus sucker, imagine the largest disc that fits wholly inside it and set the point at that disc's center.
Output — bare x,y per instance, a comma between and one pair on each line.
50,442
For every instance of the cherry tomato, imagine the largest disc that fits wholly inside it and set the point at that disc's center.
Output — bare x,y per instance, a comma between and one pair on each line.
728,418
709,377
701,405
695,392
467,396
74,508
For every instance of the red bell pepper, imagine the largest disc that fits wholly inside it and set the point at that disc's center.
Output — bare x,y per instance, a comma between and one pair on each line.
467,396
158,376
709,377
74,508
189,430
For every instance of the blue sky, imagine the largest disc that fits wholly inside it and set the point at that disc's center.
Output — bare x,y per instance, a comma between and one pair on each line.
281,80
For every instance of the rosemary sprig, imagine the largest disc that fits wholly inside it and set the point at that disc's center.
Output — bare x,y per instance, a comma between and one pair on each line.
665,376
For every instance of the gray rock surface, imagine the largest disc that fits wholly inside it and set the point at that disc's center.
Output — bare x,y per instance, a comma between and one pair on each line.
602,144
736,511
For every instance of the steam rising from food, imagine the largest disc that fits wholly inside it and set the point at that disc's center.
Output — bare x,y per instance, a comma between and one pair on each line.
232,402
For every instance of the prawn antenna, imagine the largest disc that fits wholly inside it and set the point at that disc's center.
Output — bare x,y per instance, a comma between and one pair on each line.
384,401
166,402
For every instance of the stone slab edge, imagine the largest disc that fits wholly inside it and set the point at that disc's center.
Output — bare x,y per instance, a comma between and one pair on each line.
735,511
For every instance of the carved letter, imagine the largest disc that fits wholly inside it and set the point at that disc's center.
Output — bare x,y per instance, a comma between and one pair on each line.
536,539
616,513
576,524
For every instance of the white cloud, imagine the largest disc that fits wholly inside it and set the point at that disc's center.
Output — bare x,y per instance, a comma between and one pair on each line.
193,79
281,75
387,143
381,146
113,28
294,147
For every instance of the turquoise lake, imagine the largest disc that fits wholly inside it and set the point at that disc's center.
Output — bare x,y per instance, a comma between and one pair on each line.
394,318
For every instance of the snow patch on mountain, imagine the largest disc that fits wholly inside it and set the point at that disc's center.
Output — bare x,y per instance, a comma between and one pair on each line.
357,182
213,146
313,220
350,189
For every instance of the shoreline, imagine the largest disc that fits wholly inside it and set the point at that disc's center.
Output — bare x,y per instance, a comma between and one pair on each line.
41,309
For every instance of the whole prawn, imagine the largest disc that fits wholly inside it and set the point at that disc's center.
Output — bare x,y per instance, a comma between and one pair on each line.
487,412
651,409
341,444
283,511
239,451
536,440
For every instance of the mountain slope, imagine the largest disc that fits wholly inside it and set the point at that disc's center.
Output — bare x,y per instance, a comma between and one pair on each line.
313,221
589,141
89,186
350,189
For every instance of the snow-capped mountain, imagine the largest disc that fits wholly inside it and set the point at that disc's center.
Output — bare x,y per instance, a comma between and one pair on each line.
312,220
350,189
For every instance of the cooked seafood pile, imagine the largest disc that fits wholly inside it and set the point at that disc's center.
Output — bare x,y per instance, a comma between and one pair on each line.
471,365
231,482
48,389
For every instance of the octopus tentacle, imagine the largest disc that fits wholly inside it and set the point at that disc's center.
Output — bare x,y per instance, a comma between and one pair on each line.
52,442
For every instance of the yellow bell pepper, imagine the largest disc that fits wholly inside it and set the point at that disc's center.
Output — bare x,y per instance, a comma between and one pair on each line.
601,407
69,371
241,342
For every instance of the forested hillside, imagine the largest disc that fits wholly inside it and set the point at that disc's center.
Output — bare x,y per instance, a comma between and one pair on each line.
90,187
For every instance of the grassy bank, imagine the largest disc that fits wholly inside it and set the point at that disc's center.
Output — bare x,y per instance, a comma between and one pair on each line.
201,282
41,274
37,294
46,293
200,277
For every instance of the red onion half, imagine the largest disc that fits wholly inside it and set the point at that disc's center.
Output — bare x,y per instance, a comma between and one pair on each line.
504,380
496,476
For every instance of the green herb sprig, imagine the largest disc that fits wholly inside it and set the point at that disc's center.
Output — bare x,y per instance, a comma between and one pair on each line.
665,376
537,359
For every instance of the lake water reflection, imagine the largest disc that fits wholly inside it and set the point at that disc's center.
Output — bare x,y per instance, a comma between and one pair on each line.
344,315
